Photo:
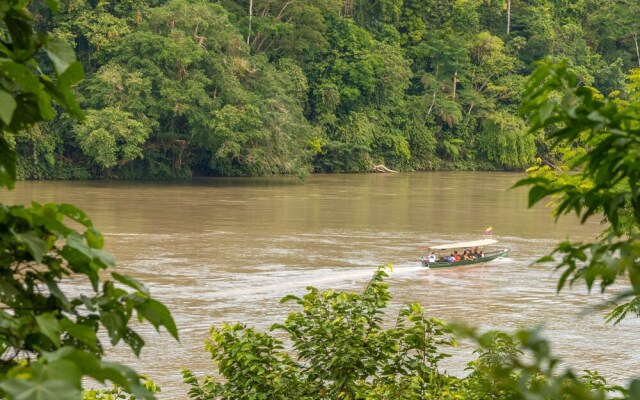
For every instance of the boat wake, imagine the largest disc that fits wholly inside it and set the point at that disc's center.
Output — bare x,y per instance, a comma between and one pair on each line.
277,283
502,260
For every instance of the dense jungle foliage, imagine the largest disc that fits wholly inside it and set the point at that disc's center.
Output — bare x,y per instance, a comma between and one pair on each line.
176,88
51,338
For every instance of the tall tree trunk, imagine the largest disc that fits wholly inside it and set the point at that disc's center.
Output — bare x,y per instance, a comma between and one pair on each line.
433,102
455,84
635,39
348,8
250,16
508,16
435,90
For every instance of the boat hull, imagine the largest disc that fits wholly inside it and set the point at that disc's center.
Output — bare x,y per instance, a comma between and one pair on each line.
489,256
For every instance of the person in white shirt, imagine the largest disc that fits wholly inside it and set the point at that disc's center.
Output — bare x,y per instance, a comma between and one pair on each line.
432,258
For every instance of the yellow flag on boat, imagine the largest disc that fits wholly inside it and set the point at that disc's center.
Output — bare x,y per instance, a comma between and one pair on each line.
489,231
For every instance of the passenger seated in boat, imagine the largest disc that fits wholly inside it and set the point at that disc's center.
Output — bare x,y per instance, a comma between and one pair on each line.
450,258
432,258
476,252
468,256
481,254
456,256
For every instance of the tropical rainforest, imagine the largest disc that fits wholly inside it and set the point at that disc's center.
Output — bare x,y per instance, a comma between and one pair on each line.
180,88
184,88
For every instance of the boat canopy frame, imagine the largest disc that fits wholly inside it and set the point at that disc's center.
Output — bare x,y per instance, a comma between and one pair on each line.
461,245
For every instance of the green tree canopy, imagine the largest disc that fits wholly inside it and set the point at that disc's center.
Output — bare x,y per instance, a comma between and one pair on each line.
326,85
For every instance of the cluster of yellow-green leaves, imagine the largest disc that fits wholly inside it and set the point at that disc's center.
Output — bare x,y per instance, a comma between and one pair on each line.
600,179
340,345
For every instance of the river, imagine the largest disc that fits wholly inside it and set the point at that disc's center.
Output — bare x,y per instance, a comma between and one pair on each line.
218,250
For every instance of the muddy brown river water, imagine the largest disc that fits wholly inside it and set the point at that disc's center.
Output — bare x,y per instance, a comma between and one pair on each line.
219,250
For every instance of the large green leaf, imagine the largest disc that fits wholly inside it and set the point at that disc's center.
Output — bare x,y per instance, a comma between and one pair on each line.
134,341
36,246
62,91
129,281
7,164
57,293
49,326
634,389
83,360
75,214
537,193
20,389
76,242
82,333
115,325
9,290
60,53
62,369
157,314
7,107
125,377
56,379
94,238
92,366
52,220
106,259
19,25
22,79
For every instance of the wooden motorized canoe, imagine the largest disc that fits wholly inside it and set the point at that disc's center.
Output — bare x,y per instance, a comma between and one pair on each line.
440,262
